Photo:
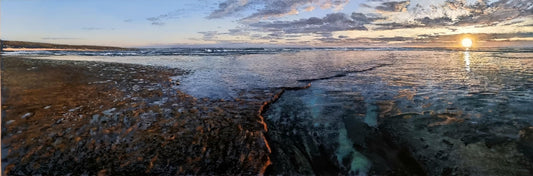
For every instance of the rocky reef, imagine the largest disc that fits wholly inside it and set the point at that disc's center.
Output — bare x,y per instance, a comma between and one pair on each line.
67,117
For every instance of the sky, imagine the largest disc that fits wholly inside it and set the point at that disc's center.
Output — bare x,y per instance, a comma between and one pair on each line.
226,23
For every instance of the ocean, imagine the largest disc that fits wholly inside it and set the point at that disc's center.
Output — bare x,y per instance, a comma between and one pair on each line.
360,111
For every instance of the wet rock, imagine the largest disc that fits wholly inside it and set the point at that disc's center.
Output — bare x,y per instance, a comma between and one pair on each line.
74,109
109,111
10,122
29,114
95,118
136,88
60,120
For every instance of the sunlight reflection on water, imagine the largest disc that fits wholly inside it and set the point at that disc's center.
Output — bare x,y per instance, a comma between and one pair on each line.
467,60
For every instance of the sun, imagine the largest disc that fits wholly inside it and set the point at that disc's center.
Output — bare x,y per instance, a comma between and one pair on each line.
466,42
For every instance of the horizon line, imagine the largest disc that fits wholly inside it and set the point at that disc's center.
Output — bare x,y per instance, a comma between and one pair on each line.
236,45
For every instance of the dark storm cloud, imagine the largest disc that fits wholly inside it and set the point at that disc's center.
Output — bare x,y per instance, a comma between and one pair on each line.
270,8
330,23
393,6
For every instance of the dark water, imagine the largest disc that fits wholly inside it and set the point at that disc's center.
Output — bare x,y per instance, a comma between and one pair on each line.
378,112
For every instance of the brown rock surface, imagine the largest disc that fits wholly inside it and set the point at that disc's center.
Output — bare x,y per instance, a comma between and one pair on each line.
66,117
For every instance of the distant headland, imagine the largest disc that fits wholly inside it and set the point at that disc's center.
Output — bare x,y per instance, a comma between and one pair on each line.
23,45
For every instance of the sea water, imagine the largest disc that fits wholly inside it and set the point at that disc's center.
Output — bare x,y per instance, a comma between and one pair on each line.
452,111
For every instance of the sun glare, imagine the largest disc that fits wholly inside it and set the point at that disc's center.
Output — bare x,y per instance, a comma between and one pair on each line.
466,42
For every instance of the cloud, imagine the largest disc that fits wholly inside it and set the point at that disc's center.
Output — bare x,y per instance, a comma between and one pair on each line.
229,7
394,25
209,35
364,41
259,19
343,36
271,8
478,36
490,14
213,35
391,14
237,32
309,8
159,20
334,4
430,22
275,36
158,23
60,38
393,6
451,13
425,38
510,23
330,23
